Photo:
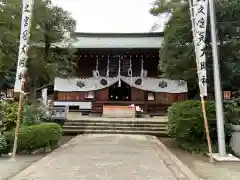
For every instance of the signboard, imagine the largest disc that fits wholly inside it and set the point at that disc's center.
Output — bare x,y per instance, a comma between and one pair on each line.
27,7
227,95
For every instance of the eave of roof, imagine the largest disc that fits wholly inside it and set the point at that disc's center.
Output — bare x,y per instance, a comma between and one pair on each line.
80,40
124,35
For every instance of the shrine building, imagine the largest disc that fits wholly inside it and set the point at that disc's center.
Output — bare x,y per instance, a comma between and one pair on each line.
118,71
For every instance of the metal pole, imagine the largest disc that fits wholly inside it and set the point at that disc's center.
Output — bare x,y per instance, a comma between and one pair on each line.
217,82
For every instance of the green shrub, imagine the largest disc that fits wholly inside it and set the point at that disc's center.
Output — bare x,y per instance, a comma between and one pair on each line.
3,144
34,137
31,114
232,112
186,124
197,148
185,120
9,111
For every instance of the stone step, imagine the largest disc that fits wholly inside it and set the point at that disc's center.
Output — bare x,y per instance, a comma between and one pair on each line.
133,124
116,128
101,125
90,131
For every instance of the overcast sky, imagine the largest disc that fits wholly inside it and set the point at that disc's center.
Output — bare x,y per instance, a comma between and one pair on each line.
110,15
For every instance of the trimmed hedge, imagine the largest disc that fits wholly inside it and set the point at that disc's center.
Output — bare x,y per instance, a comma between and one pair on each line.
34,137
186,125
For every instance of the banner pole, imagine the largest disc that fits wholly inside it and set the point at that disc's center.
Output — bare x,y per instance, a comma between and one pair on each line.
27,8
18,122
203,103
207,129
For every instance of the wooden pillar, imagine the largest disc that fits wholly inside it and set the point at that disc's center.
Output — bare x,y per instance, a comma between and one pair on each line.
145,101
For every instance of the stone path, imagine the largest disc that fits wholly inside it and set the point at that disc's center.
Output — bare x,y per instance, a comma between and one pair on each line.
108,157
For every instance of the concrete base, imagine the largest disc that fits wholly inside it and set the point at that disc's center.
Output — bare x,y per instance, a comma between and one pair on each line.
228,158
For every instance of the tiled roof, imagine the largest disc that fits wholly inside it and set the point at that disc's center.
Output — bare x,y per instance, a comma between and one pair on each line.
114,40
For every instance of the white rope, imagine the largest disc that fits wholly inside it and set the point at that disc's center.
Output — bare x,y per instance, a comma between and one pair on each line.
130,69
142,66
142,70
108,67
97,71
119,72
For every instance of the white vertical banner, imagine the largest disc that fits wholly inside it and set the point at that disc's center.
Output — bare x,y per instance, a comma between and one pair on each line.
200,13
27,8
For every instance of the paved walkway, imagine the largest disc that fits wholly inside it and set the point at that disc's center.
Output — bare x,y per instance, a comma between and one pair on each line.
108,157
10,168
200,164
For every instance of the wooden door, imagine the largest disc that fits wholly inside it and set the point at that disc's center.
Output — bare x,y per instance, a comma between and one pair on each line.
102,95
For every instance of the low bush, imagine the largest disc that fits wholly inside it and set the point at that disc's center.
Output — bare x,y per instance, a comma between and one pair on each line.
186,125
42,135
3,145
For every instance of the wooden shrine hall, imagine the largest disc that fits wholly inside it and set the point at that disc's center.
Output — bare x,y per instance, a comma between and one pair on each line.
117,73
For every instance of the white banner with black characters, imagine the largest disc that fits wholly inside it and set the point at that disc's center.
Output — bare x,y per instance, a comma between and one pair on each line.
200,11
27,7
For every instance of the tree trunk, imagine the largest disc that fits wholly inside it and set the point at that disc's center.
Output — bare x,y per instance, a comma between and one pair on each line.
32,91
